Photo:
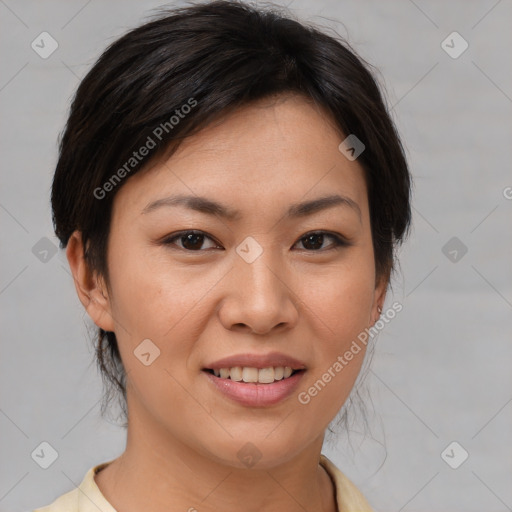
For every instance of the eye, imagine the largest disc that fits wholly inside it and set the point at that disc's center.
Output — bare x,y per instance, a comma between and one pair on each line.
193,241
314,241
190,240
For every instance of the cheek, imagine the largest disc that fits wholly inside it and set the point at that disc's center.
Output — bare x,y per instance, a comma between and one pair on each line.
340,305
156,300
150,296
339,352
153,301
339,300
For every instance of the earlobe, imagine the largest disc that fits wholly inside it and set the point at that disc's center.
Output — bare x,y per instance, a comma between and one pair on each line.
379,298
90,288
375,314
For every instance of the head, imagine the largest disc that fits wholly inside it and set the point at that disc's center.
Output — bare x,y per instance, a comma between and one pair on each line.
244,111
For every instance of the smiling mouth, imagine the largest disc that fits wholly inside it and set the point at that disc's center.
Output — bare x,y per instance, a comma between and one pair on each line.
248,375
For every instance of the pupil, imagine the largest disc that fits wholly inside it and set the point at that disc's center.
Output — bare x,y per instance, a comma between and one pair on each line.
313,237
192,241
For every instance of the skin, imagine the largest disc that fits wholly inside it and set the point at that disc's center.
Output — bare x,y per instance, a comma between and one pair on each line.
198,306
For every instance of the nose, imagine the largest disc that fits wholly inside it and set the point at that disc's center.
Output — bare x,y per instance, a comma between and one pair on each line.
259,297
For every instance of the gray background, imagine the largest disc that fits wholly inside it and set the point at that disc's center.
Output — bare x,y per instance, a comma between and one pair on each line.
441,370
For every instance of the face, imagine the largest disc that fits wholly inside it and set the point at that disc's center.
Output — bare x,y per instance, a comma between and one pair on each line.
271,278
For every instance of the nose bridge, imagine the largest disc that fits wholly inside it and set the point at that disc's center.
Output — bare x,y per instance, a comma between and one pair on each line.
258,271
259,297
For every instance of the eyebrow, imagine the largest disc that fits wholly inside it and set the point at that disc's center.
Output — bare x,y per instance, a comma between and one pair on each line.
210,207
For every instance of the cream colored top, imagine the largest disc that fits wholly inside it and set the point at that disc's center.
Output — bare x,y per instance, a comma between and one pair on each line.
87,497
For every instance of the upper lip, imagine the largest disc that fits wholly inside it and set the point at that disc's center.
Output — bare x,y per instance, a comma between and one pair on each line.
259,361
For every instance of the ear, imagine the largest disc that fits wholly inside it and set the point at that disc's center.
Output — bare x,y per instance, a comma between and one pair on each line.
379,297
91,289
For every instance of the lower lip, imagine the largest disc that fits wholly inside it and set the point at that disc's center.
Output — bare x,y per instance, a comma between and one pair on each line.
256,394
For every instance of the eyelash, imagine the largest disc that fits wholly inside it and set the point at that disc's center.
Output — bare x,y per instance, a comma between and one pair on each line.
339,241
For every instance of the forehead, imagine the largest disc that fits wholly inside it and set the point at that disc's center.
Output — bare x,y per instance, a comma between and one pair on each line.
274,151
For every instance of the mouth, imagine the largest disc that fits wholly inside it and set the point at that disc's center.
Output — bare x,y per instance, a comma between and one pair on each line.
251,375
255,387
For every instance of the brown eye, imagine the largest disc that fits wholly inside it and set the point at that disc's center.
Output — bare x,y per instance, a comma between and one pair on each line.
190,240
314,241
193,241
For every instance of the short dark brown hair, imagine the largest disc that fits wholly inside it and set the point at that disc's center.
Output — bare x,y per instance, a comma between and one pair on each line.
214,57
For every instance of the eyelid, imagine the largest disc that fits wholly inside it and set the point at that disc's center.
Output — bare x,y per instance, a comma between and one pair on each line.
339,240
169,239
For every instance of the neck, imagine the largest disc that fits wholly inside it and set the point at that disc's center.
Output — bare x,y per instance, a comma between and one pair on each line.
159,473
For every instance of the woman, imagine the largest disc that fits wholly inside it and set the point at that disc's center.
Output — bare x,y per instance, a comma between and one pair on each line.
230,192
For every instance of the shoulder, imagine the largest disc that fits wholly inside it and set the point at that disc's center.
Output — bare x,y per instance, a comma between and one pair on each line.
86,497
348,496
66,503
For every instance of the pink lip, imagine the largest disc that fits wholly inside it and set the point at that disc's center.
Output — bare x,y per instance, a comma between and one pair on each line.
259,361
256,394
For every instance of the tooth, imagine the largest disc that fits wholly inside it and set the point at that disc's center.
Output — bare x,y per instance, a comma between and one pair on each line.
250,374
266,375
278,372
236,373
